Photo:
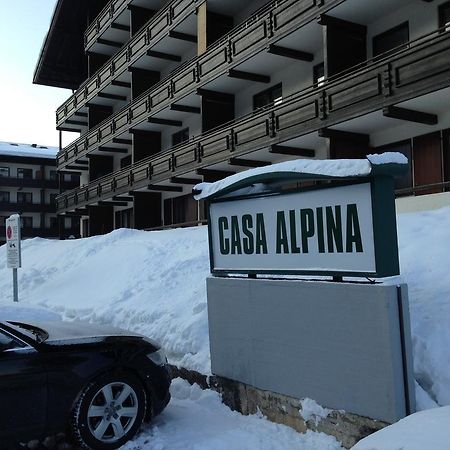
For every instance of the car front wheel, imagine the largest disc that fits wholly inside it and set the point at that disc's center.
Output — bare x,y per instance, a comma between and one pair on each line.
109,412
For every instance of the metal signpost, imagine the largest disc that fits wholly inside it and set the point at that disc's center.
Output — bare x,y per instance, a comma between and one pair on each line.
13,250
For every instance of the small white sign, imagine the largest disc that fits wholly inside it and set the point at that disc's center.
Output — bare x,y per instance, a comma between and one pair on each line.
319,231
13,249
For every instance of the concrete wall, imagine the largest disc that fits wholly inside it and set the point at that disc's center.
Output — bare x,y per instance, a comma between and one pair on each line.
338,343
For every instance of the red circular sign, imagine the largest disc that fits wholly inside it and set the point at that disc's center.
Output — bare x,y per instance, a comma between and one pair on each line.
9,232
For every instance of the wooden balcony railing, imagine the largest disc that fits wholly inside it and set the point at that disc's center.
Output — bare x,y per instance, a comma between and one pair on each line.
155,30
29,182
266,25
421,68
103,21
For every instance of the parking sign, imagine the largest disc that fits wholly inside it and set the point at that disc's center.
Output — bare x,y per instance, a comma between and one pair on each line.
13,250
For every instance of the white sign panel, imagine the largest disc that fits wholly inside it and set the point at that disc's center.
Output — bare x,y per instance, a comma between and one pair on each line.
13,250
322,230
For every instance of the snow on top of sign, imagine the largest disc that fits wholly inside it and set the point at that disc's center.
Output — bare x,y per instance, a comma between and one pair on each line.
338,168
388,158
27,150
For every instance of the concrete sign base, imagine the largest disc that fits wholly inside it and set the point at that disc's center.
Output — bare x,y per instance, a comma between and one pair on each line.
345,345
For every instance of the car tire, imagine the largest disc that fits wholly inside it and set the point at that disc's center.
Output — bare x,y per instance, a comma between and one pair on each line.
108,413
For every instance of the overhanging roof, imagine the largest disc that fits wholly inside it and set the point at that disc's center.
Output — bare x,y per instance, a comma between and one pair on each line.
62,61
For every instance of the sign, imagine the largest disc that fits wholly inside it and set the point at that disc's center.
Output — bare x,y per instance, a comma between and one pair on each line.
13,249
321,231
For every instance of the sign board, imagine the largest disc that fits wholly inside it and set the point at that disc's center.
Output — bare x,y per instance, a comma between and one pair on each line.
13,238
333,230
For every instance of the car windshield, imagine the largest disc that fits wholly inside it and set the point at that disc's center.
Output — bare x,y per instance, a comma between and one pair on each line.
38,333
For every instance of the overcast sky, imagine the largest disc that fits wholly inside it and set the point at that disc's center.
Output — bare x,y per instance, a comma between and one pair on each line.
27,111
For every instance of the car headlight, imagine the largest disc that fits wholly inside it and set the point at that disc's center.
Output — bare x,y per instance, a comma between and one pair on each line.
158,357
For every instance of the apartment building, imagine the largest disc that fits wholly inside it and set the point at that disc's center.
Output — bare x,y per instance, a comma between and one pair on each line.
29,184
168,94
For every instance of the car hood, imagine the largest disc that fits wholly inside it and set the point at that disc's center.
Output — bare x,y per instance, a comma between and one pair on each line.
70,333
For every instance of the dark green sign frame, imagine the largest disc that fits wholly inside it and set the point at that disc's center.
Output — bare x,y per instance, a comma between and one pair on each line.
381,181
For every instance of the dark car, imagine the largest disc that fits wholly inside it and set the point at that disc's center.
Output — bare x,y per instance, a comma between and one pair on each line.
96,384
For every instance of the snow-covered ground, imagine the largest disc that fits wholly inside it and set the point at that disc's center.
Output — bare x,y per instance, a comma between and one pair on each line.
154,283
425,430
197,420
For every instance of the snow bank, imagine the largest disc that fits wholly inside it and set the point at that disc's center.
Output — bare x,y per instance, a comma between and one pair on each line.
197,420
151,283
154,283
424,242
426,430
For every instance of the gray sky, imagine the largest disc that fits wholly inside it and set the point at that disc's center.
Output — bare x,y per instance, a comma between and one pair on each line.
27,111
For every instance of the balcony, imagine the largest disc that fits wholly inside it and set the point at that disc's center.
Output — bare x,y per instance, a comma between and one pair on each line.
115,69
29,182
417,70
103,23
267,25
27,207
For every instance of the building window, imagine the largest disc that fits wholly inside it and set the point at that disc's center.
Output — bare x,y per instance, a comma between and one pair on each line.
444,16
180,136
391,39
25,174
53,199
4,196
273,95
26,222
319,74
53,175
24,197
4,171
53,222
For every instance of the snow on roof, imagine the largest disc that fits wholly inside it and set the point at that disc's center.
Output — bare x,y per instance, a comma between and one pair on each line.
27,150
329,168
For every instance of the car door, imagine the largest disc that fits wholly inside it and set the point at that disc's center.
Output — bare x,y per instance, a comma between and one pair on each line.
23,389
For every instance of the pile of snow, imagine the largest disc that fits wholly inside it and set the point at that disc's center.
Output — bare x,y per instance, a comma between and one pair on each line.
426,430
311,410
424,243
150,283
197,420
154,283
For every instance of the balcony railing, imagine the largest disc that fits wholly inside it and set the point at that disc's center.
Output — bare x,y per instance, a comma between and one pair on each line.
155,30
29,182
104,20
421,68
27,207
266,25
